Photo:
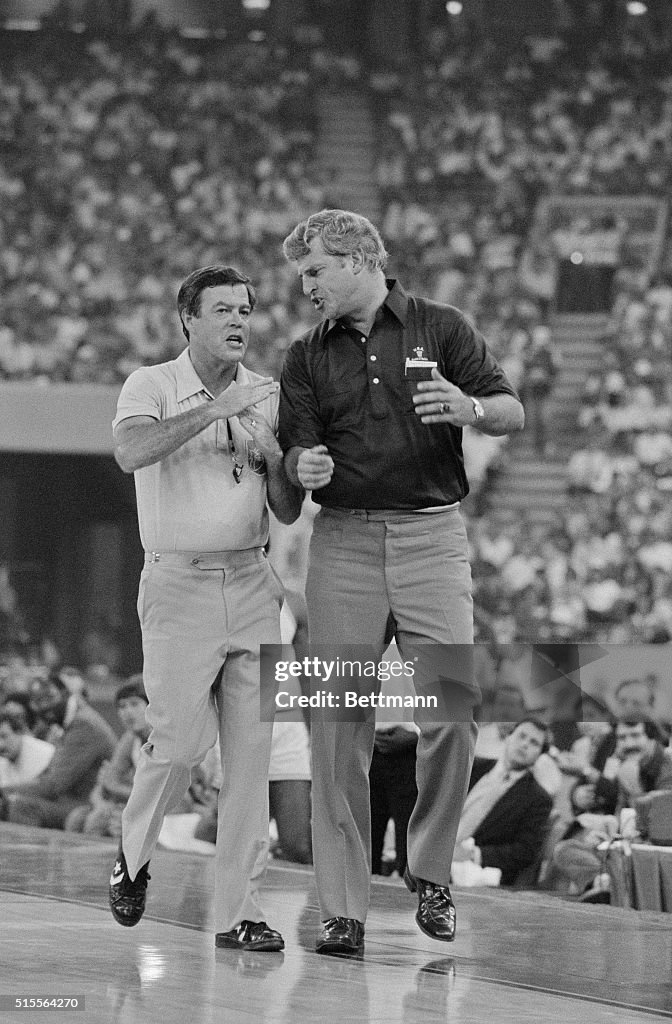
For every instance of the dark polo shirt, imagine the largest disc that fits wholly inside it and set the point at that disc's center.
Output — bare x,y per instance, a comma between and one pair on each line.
349,392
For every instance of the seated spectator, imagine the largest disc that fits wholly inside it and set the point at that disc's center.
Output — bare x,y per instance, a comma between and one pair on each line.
586,754
497,720
508,708
102,814
590,468
18,703
22,756
86,741
635,699
506,812
640,765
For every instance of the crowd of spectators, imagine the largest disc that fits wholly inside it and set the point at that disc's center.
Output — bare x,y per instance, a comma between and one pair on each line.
63,766
600,570
123,165
69,747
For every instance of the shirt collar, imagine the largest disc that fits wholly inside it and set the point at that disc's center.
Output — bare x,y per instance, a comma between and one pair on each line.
188,381
396,302
503,772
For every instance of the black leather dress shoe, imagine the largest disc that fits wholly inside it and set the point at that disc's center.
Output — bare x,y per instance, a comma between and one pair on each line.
127,898
436,914
253,935
340,935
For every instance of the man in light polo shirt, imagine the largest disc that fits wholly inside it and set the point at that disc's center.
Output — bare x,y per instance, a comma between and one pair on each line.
199,434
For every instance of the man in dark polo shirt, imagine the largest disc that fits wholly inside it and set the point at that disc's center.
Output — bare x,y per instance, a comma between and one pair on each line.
382,453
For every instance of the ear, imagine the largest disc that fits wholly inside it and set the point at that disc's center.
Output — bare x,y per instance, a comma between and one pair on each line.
358,263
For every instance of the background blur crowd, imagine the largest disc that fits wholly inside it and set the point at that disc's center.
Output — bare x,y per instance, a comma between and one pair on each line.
127,161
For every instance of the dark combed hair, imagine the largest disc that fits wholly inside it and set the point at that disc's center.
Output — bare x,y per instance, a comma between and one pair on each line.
189,295
27,713
133,687
652,729
538,724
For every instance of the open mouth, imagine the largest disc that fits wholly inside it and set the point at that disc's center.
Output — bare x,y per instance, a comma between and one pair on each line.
317,302
236,338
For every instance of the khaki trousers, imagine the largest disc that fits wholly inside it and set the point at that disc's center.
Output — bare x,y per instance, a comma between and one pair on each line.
364,566
203,618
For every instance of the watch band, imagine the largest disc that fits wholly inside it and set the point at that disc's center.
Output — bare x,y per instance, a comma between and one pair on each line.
479,411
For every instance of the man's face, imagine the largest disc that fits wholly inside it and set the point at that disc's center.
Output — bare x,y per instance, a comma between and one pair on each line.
48,701
10,742
131,711
632,741
330,282
634,699
523,746
220,332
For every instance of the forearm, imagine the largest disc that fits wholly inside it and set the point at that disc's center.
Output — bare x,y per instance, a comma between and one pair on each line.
146,443
284,497
503,415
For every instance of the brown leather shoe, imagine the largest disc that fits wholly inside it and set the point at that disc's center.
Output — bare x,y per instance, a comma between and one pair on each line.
253,935
436,914
340,935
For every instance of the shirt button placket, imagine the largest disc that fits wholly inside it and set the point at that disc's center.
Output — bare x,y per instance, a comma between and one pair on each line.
375,388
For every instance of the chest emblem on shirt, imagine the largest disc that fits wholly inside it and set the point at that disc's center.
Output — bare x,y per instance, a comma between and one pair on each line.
255,459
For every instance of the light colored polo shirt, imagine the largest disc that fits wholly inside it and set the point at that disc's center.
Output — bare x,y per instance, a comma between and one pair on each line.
190,501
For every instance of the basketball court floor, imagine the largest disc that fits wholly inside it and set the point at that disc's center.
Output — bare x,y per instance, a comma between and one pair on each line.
518,957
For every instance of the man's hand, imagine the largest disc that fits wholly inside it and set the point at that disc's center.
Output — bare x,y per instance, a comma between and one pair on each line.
239,397
395,741
315,467
583,797
439,401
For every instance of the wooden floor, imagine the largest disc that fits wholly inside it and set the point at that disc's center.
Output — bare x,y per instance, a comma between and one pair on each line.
519,957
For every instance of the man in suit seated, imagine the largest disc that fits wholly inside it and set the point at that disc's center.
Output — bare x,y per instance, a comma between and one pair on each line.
506,812
84,743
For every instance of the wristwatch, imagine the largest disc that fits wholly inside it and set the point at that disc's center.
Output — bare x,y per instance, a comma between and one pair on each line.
479,411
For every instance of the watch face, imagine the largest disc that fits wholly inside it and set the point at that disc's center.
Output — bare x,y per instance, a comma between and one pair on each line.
479,411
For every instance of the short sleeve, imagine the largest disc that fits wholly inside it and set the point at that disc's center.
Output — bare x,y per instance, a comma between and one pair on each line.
141,395
470,364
